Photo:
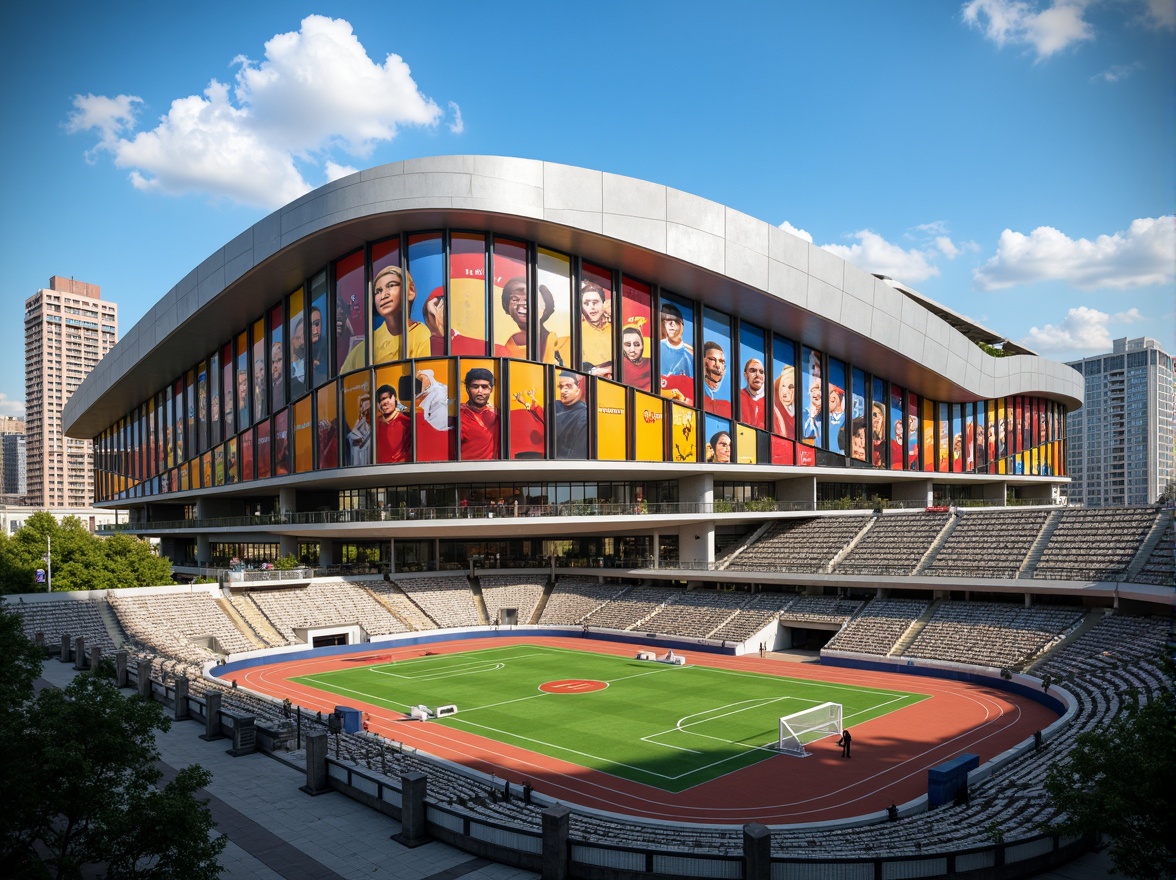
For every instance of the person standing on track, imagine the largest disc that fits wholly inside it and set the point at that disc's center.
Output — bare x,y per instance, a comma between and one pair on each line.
845,742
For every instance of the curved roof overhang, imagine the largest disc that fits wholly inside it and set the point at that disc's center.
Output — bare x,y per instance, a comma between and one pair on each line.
684,243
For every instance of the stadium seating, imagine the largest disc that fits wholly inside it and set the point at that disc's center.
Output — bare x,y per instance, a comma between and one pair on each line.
506,591
1097,544
893,545
446,600
879,626
989,634
64,617
573,599
988,544
800,544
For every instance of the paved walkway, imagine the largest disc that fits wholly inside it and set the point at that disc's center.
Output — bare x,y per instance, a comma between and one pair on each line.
275,831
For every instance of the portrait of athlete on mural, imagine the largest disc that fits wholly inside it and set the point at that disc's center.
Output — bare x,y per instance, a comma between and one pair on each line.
571,417
752,399
714,375
388,306
635,366
555,349
716,381
393,428
677,352
480,433
596,329
718,448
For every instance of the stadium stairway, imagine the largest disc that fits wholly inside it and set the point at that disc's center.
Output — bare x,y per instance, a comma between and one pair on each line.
242,625
537,614
479,600
747,542
933,551
409,626
251,612
1089,622
118,635
1148,545
912,632
1034,555
848,548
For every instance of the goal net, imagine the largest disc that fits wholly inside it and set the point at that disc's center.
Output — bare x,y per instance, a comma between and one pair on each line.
808,725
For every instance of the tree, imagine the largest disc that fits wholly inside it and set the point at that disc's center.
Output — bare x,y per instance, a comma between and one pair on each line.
81,561
84,792
1121,780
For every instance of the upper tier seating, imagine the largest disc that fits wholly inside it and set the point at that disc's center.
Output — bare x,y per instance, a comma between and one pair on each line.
1160,568
894,544
988,544
800,544
1095,544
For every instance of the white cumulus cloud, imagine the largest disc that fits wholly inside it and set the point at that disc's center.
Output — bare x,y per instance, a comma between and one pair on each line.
457,126
799,233
873,253
1143,254
10,407
1159,14
1083,329
1047,31
316,92
877,255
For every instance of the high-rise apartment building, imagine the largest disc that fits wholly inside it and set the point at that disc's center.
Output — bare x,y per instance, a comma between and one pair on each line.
1120,444
68,328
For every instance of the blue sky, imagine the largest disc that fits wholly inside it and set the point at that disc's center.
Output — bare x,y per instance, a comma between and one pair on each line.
1012,160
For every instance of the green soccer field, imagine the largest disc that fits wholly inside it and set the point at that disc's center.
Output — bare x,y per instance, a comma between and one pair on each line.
671,727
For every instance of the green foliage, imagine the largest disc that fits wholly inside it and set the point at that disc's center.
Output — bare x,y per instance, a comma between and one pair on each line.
287,563
20,663
1121,780
992,350
84,792
81,561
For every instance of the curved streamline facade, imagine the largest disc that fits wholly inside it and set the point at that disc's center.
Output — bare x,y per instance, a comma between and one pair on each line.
482,335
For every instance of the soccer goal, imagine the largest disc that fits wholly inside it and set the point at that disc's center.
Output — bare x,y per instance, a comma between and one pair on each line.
808,725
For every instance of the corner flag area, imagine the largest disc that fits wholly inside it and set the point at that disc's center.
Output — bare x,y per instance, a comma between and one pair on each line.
669,727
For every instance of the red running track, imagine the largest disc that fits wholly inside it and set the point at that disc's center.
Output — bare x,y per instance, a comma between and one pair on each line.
891,755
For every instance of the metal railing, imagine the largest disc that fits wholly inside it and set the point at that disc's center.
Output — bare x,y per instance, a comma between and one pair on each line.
512,511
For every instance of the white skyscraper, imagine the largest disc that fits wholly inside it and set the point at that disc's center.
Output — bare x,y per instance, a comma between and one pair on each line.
1120,444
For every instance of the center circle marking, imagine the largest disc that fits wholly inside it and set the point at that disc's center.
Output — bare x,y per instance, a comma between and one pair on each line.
573,686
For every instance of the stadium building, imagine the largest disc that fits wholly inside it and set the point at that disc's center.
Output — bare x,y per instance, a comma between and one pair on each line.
657,371
510,406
